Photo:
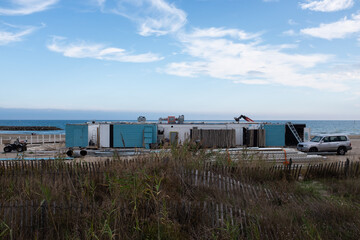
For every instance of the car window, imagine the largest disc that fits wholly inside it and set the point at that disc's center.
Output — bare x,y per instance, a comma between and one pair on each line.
343,138
316,139
334,139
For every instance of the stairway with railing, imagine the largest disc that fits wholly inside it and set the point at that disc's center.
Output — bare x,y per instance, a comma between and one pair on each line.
293,130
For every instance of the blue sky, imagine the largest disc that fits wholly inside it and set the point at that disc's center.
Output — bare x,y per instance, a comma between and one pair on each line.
210,59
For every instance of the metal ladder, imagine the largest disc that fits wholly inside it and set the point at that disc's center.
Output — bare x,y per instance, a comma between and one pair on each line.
293,130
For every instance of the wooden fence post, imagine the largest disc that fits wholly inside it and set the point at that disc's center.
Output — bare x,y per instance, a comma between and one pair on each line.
196,177
43,207
346,167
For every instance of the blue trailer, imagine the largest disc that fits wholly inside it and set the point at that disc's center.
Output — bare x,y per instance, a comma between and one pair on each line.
274,135
76,135
133,135
118,135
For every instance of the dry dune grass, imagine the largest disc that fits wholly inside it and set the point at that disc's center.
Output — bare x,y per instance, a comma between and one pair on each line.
176,195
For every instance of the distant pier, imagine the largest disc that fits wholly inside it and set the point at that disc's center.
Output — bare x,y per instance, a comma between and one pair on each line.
28,128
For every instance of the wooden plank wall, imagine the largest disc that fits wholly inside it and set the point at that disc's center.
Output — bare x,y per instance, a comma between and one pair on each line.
215,138
261,138
255,138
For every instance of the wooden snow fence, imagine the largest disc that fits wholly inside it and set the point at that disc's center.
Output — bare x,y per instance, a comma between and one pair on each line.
347,169
37,220
57,173
56,220
56,169
21,166
243,192
248,173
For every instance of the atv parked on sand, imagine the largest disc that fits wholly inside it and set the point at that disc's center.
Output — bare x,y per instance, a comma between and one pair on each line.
17,145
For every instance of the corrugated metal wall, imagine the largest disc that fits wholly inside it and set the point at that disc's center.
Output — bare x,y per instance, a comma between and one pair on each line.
274,135
134,135
76,135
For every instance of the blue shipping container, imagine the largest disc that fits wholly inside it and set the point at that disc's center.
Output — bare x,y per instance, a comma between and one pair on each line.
76,135
134,135
274,135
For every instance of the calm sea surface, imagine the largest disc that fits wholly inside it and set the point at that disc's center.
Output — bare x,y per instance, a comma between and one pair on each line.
349,127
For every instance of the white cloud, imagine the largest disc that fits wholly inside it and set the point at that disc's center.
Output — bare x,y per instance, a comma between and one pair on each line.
290,32
292,22
154,17
221,32
11,33
252,62
98,51
100,2
339,29
327,5
25,7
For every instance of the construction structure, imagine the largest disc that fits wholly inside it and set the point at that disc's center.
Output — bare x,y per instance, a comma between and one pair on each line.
175,130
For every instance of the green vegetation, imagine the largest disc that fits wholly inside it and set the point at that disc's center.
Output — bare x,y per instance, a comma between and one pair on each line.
188,193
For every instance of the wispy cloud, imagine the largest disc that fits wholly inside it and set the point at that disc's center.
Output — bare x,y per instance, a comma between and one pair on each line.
25,7
327,5
221,32
292,22
154,17
12,33
290,32
340,29
253,62
99,2
83,49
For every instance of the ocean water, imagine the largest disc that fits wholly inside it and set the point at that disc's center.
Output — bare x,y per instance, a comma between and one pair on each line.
350,127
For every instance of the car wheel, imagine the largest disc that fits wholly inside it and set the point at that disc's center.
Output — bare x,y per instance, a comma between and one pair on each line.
7,149
70,153
83,153
341,151
19,149
313,149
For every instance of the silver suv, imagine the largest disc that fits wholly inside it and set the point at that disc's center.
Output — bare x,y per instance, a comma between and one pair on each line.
327,143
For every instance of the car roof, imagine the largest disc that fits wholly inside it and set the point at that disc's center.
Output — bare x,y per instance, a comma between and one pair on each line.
330,135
